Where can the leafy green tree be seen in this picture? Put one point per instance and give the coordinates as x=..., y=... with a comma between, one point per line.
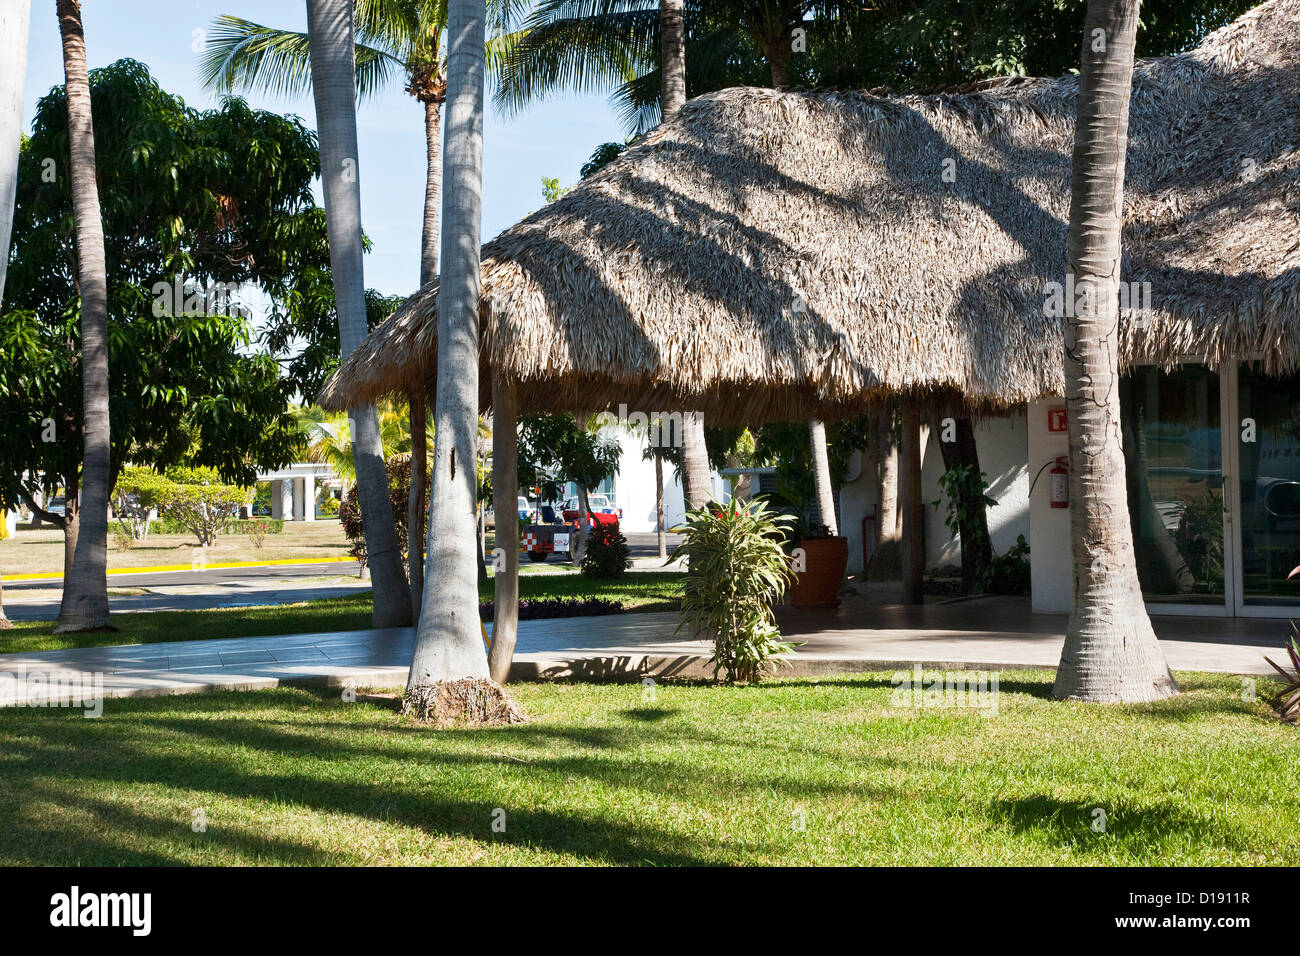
x=557, y=448
x=195, y=206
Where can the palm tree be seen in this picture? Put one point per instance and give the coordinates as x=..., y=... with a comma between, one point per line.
x=331, y=50
x=398, y=38
x=696, y=485
x=448, y=638
x=1110, y=652
x=822, y=475
x=85, y=583
x=13, y=76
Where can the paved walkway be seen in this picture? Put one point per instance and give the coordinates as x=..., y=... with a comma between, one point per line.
x=990, y=633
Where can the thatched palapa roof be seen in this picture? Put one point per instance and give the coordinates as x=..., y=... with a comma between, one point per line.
x=772, y=255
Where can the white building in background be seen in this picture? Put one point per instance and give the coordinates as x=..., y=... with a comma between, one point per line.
x=296, y=490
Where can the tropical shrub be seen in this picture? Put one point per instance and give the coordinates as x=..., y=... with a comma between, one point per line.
x=607, y=553
x=737, y=571
x=256, y=532
x=135, y=496
x=203, y=510
x=1288, y=702
x=1008, y=573
x=398, y=468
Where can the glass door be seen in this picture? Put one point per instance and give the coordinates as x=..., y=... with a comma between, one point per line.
x=1267, y=440
x=1173, y=459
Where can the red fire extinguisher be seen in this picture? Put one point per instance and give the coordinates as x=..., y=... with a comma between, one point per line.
x=1059, y=478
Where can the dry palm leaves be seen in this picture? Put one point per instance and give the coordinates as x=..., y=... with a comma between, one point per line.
x=467, y=702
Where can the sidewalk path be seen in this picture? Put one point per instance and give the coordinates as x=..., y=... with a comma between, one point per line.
x=997, y=633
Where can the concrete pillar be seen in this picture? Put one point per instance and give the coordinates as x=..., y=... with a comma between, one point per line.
x=309, y=498
x=1051, y=567
x=277, y=500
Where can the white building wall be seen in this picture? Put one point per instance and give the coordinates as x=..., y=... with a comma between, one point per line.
x=1001, y=444
x=1002, y=447
x=634, y=485
x=1049, y=528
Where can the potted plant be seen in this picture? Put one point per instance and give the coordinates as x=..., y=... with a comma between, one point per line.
x=819, y=561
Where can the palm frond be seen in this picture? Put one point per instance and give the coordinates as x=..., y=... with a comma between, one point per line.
x=581, y=46
x=243, y=56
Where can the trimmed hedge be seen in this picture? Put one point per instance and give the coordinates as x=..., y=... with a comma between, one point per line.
x=166, y=525
x=531, y=609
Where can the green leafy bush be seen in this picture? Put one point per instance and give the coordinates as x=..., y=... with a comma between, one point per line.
x=136, y=494
x=167, y=525
x=737, y=571
x=1008, y=573
x=398, y=468
x=607, y=553
x=203, y=510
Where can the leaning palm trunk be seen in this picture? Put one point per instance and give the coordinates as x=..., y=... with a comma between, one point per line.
x=85, y=584
x=1111, y=652
x=330, y=38
x=13, y=75
x=822, y=475
x=448, y=642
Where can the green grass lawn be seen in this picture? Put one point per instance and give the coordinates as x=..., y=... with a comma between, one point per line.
x=640, y=591
x=697, y=775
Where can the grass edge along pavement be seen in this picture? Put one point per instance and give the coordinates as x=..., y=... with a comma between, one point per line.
x=820, y=771
x=643, y=591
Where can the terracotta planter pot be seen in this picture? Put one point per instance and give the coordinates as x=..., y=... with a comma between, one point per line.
x=819, y=584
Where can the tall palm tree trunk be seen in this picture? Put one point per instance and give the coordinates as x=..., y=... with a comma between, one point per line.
x=415, y=516
x=672, y=94
x=13, y=77
x=822, y=475
x=330, y=40
x=505, y=502
x=1110, y=652
x=85, y=584
x=448, y=642
x=415, y=537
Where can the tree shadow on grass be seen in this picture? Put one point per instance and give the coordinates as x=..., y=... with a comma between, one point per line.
x=1070, y=824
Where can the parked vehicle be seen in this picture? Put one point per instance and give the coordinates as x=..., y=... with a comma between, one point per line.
x=603, y=511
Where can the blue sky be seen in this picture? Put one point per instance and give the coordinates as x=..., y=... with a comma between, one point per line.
x=550, y=139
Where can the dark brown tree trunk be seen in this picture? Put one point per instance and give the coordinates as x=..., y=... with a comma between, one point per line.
x=85, y=583
x=976, y=548
x=885, y=560
x=911, y=506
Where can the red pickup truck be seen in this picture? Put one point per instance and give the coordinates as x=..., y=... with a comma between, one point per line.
x=602, y=510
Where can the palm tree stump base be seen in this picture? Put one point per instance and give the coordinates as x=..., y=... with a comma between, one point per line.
x=467, y=702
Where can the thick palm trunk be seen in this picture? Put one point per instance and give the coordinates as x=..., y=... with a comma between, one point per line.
x=329, y=24
x=660, y=538
x=672, y=94
x=85, y=585
x=976, y=547
x=696, y=486
x=505, y=498
x=885, y=558
x=822, y=475
x=672, y=48
x=428, y=274
x=448, y=641
x=13, y=76
x=1110, y=652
